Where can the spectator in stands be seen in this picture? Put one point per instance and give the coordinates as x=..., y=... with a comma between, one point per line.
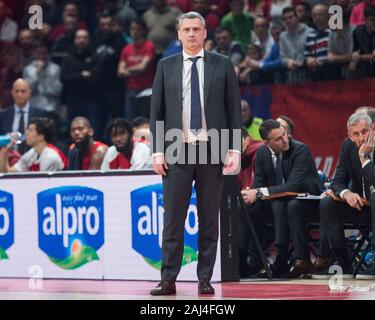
x=211, y=19
x=85, y=153
x=239, y=23
x=340, y=48
x=141, y=157
x=227, y=47
x=43, y=156
x=250, y=122
x=316, y=48
x=44, y=78
x=64, y=45
x=136, y=67
x=10, y=70
x=262, y=37
x=160, y=21
x=247, y=70
x=363, y=58
x=79, y=75
x=70, y=10
x=352, y=183
x=25, y=42
x=357, y=16
x=282, y=165
x=272, y=62
x=287, y=123
x=292, y=45
x=119, y=154
x=8, y=27
x=108, y=46
x=245, y=180
x=19, y=116
x=303, y=10
x=274, y=8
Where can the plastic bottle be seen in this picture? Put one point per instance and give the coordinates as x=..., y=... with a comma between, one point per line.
x=12, y=136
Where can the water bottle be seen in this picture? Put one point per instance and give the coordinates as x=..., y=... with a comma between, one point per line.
x=5, y=139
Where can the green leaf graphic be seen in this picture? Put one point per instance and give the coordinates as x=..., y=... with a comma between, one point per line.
x=189, y=256
x=86, y=255
x=3, y=254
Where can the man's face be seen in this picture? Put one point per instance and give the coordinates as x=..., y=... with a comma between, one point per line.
x=261, y=28
x=41, y=54
x=370, y=24
x=80, y=132
x=120, y=137
x=106, y=25
x=70, y=10
x=275, y=32
x=278, y=140
x=245, y=111
x=245, y=143
x=82, y=39
x=290, y=20
x=199, y=6
x=192, y=34
x=70, y=23
x=21, y=93
x=25, y=39
x=223, y=40
x=320, y=16
x=136, y=31
x=301, y=12
x=237, y=7
x=358, y=133
x=32, y=136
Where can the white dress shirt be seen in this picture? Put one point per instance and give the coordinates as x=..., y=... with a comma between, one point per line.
x=186, y=97
x=274, y=159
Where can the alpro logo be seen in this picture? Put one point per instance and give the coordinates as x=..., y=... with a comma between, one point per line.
x=147, y=207
x=71, y=225
x=6, y=223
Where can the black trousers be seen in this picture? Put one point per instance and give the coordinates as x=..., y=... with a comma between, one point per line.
x=177, y=188
x=334, y=213
x=290, y=219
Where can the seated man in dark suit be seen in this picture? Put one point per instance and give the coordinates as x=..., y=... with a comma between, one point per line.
x=284, y=164
x=18, y=117
x=353, y=182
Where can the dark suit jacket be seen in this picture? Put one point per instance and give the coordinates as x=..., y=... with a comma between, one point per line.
x=298, y=167
x=221, y=97
x=7, y=117
x=349, y=170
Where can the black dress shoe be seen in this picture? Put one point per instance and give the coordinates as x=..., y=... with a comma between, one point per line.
x=164, y=288
x=204, y=287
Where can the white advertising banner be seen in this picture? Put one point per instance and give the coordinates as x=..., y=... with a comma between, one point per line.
x=89, y=227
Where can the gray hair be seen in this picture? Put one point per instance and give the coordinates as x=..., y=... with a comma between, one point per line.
x=356, y=117
x=191, y=15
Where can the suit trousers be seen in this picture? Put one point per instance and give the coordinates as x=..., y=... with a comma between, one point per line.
x=334, y=213
x=177, y=189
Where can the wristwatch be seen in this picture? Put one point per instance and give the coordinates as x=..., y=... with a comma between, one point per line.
x=364, y=155
x=259, y=194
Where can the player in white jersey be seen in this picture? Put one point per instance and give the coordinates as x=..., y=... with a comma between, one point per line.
x=43, y=156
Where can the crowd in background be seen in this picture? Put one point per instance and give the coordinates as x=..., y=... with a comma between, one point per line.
x=96, y=58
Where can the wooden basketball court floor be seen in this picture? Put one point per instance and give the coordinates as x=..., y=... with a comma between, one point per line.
x=303, y=289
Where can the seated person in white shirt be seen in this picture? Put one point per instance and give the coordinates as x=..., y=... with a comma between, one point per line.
x=141, y=157
x=119, y=154
x=43, y=156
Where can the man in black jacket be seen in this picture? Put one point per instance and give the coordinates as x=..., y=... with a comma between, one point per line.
x=79, y=75
x=107, y=46
x=285, y=165
x=353, y=182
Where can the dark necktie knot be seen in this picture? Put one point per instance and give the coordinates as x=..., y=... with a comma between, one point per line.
x=195, y=59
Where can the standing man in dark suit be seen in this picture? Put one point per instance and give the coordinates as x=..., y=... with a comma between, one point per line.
x=353, y=182
x=194, y=93
x=18, y=117
x=284, y=164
